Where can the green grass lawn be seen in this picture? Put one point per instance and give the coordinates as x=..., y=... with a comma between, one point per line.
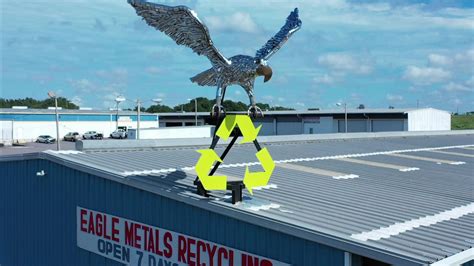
x=462, y=122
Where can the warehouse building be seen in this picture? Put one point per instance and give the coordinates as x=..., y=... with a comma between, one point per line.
x=24, y=124
x=28, y=124
x=379, y=200
x=331, y=121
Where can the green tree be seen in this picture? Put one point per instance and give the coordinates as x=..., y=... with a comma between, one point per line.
x=37, y=104
x=159, y=108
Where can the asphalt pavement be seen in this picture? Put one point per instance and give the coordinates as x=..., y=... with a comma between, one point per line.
x=36, y=147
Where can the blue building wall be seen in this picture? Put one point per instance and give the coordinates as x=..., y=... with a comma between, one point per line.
x=74, y=117
x=38, y=223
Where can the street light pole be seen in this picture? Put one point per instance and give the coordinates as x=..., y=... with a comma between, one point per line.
x=195, y=111
x=53, y=95
x=138, y=118
x=345, y=115
x=116, y=116
x=118, y=100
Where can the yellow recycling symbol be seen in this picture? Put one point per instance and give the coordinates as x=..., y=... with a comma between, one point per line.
x=209, y=156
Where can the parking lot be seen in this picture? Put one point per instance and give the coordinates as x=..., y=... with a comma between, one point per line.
x=36, y=147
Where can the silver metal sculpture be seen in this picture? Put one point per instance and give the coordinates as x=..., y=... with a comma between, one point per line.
x=185, y=28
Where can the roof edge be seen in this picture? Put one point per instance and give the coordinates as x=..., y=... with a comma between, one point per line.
x=90, y=145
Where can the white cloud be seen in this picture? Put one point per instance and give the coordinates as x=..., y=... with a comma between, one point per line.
x=437, y=59
x=113, y=74
x=239, y=21
x=82, y=85
x=268, y=98
x=376, y=7
x=465, y=57
x=470, y=82
x=345, y=62
x=394, y=97
x=108, y=100
x=455, y=87
x=426, y=75
x=153, y=70
x=161, y=95
x=455, y=101
x=324, y=79
x=77, y=100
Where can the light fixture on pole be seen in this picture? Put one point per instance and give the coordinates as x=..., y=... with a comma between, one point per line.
x=345, y=114
x=138, y=103
x=157, y=101
x=195, y=111
x=118, y=100
x=139, y=106
x=53, y=96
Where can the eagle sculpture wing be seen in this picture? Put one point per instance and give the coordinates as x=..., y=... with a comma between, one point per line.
x=183, y=26
x=293, y=23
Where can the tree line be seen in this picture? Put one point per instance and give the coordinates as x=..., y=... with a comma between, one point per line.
x=37, y=104
x=203, y=105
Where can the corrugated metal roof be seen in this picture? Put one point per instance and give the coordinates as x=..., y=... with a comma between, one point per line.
x=421, y=215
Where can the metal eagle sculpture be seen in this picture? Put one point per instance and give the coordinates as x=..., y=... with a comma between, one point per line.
x=185, y=28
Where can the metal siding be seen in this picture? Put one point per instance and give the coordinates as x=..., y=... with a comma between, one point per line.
x=74, y=117
x=267, y=127
x=353, y=126
x=428, y=119
x=383, y=125
x=289, y=126
x=40, y=227
x=322, y=124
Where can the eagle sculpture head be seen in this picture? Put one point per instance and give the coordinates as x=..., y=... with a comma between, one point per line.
x=265, y=71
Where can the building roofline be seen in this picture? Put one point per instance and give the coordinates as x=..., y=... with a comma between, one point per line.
x=269, y=113
x=90, y=145
x=428, y=108
x=71, y=111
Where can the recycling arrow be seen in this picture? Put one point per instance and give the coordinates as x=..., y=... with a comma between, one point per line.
x=259, y=179
x=249, y=132
x=204, y=164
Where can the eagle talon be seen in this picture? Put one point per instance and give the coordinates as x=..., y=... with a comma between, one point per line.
x=217, y=110
x=255, y=111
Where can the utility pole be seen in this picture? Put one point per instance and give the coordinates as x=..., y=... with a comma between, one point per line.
x=138, y=118
x=345, y=115
x=116, y=116
x=118, y=100
x=195, y=111
x=53, y=95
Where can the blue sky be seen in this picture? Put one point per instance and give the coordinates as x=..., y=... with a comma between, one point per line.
x=360, y=52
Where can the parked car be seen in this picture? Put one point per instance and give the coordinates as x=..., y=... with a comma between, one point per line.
x=119, y=134
x=92, y=135
x=72, y=136
x=45, y=139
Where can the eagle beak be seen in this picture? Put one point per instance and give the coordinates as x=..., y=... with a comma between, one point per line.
x=265, y=71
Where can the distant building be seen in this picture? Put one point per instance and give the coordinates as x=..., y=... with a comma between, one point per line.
x=27, y=124
x=331, y=121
